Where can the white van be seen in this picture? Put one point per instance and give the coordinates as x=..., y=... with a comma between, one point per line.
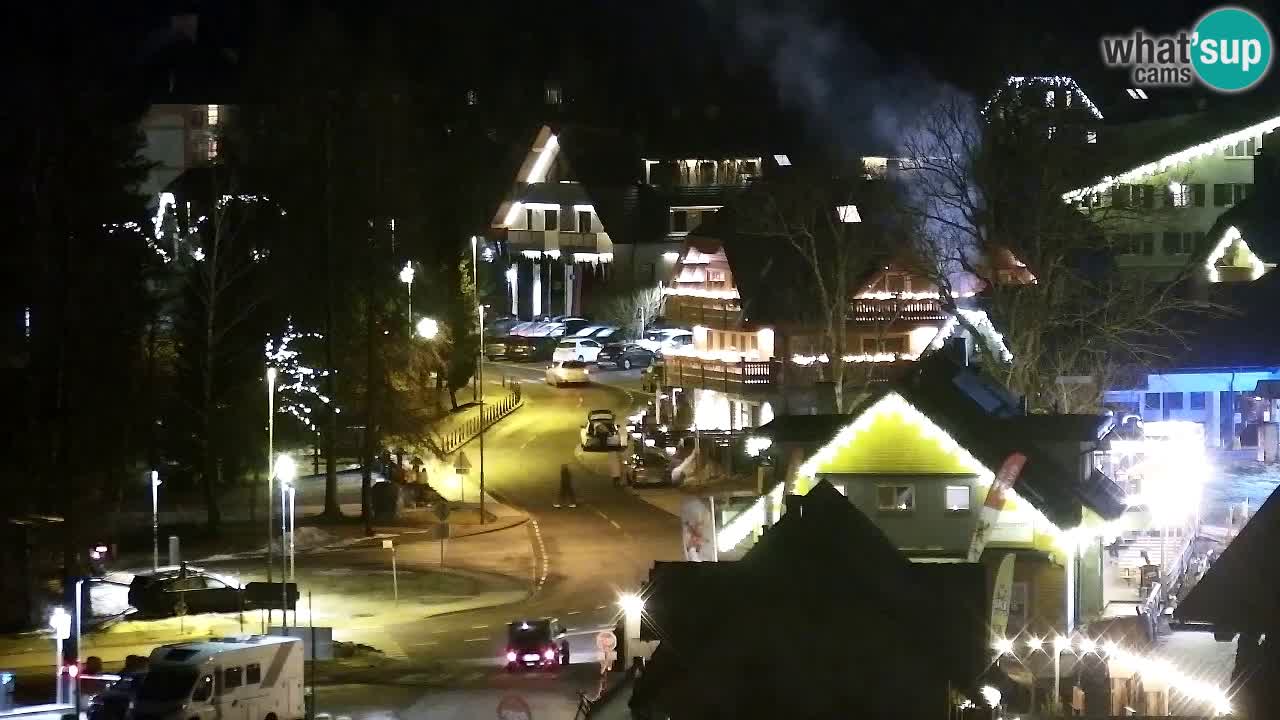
x=250, y=678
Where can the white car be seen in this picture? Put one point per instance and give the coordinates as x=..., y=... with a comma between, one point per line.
x=661, y=341
x=567, y=372
x=601, y=432
x=582, y=350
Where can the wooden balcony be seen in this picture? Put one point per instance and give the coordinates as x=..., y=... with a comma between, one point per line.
x=563, y=240
x=897, y=309
x=742, y=376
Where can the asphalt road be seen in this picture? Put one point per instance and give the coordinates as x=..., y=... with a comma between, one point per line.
x=588, y=554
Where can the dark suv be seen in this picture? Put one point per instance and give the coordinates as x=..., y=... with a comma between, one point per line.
x=536, y=644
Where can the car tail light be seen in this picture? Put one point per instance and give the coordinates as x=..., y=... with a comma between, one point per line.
x=511, y=656
x=550, y=654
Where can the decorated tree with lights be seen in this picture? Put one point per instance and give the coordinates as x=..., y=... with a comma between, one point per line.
x=984, y=195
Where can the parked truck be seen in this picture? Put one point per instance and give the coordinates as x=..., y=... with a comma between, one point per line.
x=256, y=677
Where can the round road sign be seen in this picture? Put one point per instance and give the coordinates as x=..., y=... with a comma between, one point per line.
x=606, y=641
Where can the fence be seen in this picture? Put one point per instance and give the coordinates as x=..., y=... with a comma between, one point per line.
x=490, y=413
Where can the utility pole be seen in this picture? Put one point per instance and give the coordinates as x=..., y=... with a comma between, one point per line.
x=475, y=286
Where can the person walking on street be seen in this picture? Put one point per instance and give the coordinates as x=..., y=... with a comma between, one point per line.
x=566, y=489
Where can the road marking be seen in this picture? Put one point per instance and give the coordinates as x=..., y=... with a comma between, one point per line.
x=606, y=517
x=601, y=607
x=438, y=632
x=422, y=644
x=484, y=639
x=574, y=612
x=615, y=524
x=479, y=627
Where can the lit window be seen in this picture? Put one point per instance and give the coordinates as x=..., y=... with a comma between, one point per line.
x=782, y=160
x=957, y=498
x=1052, y=131
x=553, y=95
x=213, y=149
x=848, y=213
x=896, y=498
x=1091, y=137
x=214, y=114
x=1048, y=98
x=1179, y=195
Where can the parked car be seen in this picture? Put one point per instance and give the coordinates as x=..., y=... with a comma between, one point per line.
x=537, y=643
x=603, y=333
x=575, y=349
x=624, y=355
x=647, y=469
x=497, y=348
x=160, y=594
x=530, y=348
x=601, y=431
x=567, y=372
x=663, y=341
x=501, y=325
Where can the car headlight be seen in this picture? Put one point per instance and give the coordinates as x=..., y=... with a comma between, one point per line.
x=550, y=654
x=511, y=656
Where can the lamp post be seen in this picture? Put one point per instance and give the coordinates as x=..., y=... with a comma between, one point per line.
x=271, y=471
x=60, y=622
x=406, y=277
x=475, y=283
x=75, y=669
x=155, y=521
x=286, y=471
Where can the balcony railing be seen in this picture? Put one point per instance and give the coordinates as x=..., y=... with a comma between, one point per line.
x=562, y=240
x=867, y=310
x=720, y=375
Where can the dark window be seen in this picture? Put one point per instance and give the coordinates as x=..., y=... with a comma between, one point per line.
x=1122, y=195
x=1243, y=191
x=253, y=674
x=1221, y=195
x=896, y=498
x=896, y=283
x=231, y=678
x=528, y=218
x=1172, y=243
x=1197, y=400
x=894, y=344
x=584, y=221
x=1152, y=401
x=551, y=219
x=679, y=221
x=1197, y=194
x=1173, y=401
x=1123, y=243
x=1148, y=242
x=204, y=689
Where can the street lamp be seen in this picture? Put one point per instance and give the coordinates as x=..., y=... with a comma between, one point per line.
x=60, y=622
x=271, y=471
x=428, y=328
x=479, y=397
x=286, y=471
x=406, y=277
x=155, y=521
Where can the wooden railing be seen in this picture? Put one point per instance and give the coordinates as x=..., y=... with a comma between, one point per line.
x=866, y=309
x=718, y=374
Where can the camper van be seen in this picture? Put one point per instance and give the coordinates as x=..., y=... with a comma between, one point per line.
x=250, y=678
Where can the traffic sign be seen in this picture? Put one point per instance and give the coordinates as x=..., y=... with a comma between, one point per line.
x=462, y=465
x=514, y=707
x=606, y=641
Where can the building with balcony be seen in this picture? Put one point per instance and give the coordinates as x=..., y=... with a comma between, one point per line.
x=758, y=341
x=593, y=212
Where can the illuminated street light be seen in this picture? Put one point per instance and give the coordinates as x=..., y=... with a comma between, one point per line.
x=631, y=603
x=60, y=623
x=1062, y=644
x=285, y=471
x=271, y=473
x=406, y=277
x=1088, y=645
x=428, y=328
x=990, y=695
x=155, y=520
x=1003, y=646
x=1035, y=644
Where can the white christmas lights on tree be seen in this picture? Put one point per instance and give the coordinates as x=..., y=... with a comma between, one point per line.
x=296, y=382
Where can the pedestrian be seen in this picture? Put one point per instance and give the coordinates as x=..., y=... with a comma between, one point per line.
x=566, y=489
x=615, y=468
x=182, y=570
